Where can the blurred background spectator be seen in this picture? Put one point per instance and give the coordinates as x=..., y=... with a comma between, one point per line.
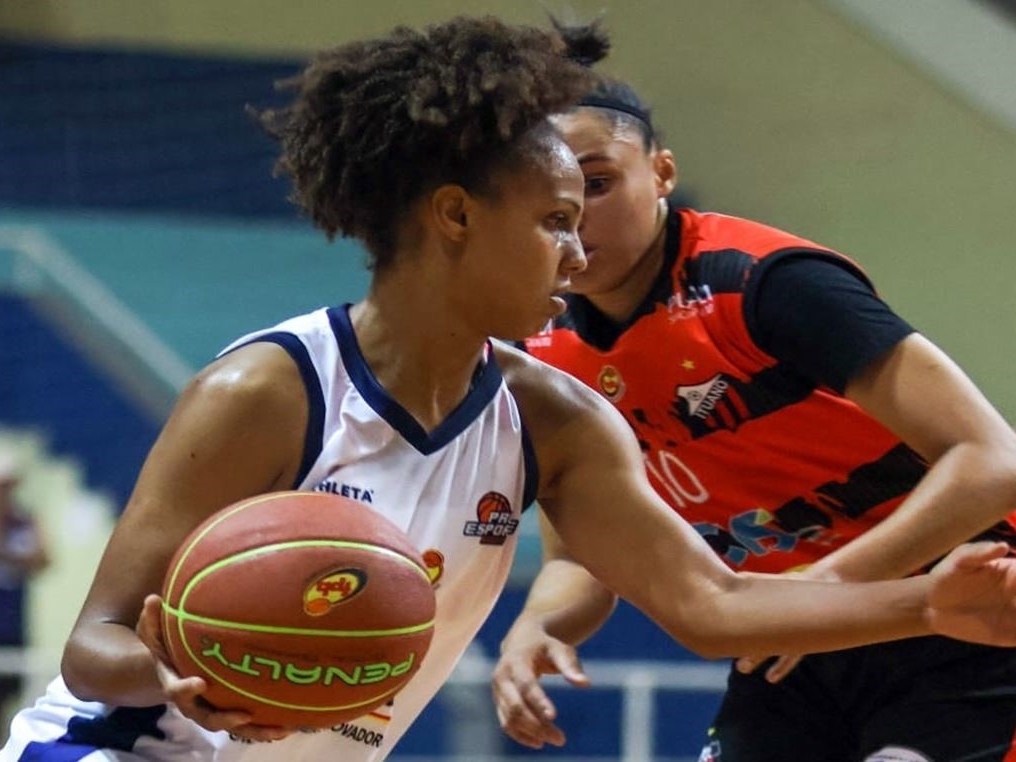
x=23, y=553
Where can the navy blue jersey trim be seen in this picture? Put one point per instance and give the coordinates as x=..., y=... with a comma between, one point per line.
x=120, y=730
x=485, y=386
x=313, y=438
x=532, y=481
x=55, y=751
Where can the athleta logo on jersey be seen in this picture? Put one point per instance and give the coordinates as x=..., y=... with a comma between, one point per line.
x=495, y=524
x=363, y=494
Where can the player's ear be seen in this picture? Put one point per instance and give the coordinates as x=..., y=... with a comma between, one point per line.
x=666, y=171
x=449, y=211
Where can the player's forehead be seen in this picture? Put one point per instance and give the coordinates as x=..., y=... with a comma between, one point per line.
x=546, y=147
x=556, y=159
x=544, y=164
x=590, y=134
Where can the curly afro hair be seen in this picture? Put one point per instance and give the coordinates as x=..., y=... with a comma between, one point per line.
x=375, y=124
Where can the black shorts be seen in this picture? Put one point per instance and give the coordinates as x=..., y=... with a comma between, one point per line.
x=914, y=700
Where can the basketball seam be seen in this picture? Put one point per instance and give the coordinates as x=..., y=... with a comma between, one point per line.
x=184, y=616
x=225, y=515
x=292, y=544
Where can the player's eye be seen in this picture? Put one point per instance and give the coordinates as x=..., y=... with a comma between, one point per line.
x=597, y=185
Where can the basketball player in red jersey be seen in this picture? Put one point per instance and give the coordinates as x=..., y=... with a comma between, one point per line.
x=800, y=425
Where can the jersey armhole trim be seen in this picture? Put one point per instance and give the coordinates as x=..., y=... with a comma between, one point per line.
x=313, y=438
x=532, y=470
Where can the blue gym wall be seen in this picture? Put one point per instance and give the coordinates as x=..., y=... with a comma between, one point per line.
x=47, y=385
x=105, y=129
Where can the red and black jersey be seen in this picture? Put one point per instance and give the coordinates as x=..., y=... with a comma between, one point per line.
x=774, y=469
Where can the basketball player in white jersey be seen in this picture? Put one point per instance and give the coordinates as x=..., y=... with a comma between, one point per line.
x=434, y=149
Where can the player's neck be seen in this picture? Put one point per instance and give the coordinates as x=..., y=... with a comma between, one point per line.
x=424, y=364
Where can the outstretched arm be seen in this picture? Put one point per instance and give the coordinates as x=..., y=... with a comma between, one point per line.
x=823, y=319
x=610, y=519
x=924, y=398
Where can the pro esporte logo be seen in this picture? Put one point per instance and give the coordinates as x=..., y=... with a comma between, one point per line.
x=495, y=523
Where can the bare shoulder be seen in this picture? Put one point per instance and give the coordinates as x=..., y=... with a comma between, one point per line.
x=559, y=411
x=255, y=373
x=549, y=398
x=245, y=412
x=237, y=430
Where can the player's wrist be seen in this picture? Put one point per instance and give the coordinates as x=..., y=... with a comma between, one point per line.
x=822, y=571
x=526, y=630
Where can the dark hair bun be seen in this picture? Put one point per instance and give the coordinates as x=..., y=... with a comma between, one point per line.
x=585, y=44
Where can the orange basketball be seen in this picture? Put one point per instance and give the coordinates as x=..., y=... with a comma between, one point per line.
x=305, y=609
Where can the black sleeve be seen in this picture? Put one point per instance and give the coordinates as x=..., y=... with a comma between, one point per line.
x=820, y=316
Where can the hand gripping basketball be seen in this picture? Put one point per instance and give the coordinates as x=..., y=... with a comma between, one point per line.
x=305, y=609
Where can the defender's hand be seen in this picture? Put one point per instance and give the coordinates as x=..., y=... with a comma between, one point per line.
x=524, y=710
x=973, y=594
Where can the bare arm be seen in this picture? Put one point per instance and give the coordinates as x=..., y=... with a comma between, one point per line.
x=565, y=601
x=644, y=552
x=236, y=431
x=611, y=520
x=925, y=399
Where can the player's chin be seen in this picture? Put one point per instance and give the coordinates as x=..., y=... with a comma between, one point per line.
x=589, y=281
x=524, y=328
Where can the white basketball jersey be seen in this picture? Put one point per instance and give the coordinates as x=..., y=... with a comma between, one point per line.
x=457, y=492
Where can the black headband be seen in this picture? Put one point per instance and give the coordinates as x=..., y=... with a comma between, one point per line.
x=612, y=103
